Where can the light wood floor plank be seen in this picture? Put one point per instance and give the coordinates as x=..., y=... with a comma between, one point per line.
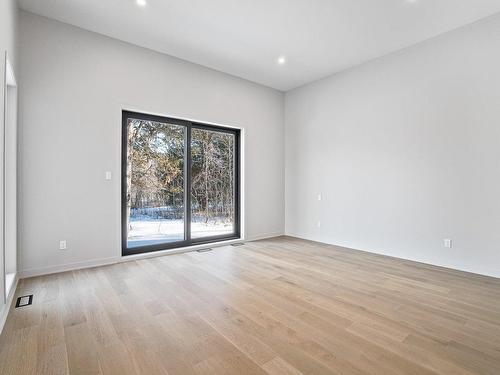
x=278, y=306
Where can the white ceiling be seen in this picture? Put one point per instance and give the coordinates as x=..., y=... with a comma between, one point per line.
x=245, y=37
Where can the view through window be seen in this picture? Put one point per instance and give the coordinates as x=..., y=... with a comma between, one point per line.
x=163, y=160
x=212, y=184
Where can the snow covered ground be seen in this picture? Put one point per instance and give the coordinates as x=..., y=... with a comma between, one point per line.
x=149, y=232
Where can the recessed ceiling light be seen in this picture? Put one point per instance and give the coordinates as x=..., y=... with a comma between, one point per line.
x=281, y=60
x=141, y=3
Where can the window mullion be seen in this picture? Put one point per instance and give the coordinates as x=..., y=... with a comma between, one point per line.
x=187, y=185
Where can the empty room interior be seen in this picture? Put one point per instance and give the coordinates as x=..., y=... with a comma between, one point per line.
x=297, y=187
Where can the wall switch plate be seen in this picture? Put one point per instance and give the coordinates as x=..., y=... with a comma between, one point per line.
x=448, y=243
x=320, y=197
x=108, y=175
x=63, y=245
x=319, y=224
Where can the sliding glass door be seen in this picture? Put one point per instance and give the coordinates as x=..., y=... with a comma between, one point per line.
x=179, y=183
x=155, y=182
x=212, y=183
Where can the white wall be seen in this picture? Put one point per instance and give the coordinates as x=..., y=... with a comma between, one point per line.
x=406, y=152
x=8, y=43
x=74, y=85
x=405, y=149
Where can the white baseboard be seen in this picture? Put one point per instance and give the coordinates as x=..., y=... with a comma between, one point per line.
x=195, y=247
x=4, y=312
x=482, y=271
x=32, y=272
x=265, y=236
x=179, y=250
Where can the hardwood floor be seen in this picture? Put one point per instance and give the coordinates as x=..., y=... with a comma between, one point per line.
x=279, y=306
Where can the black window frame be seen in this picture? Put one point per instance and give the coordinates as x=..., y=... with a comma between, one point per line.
x=188, y=241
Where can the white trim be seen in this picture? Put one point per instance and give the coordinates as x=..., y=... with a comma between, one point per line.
x=482, y=271
x=10, y=280
x=10, y=84
x=131, y=108
x=32, y=272
x=4, y=312
x=154, y=254
x=243, y=221
x=172, y=115
x=10, y=78
x=266, y=236
x=186, y=249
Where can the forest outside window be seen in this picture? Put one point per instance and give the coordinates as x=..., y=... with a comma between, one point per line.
x=180, y=183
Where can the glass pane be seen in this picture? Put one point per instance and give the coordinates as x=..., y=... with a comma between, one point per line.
x=155, y=183
x=212, y=184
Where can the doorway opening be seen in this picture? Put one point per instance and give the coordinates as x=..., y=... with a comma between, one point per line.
x=8, y=184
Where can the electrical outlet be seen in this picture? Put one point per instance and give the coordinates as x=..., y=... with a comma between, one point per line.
x=108, y=175
x=63, y=245
x=448, y=243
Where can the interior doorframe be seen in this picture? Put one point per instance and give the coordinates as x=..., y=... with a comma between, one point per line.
x=188, y=241
x=10, y=105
